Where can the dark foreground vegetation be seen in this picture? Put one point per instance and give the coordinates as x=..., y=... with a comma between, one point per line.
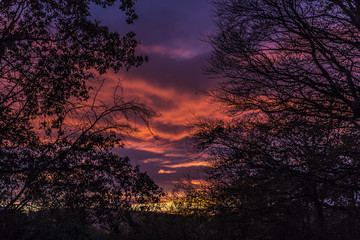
x=64, y=225
x=285, y=166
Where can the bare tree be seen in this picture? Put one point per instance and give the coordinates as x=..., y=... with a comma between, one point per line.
x=294, y=56
x=287, y=164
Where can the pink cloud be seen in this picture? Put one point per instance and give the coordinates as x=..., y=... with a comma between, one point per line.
x=177, y=52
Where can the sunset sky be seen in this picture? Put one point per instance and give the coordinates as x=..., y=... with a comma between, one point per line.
x=170, y=33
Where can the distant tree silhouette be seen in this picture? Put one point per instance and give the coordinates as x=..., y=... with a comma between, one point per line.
x=287, y=164
x=56, y=134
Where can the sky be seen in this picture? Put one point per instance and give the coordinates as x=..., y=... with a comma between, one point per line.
x=171, y=33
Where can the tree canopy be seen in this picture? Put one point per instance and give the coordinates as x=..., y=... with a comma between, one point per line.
x=56, y=135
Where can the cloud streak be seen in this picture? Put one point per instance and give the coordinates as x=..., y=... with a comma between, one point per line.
x=189, y=164
x=162, y=171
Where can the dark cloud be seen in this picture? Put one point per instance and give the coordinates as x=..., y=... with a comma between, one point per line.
x=137, y=155
x=171, y=128
x=160, y=21
x=183, y=75
x=161, y=103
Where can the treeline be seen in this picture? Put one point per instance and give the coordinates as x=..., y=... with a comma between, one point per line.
x=63, y=225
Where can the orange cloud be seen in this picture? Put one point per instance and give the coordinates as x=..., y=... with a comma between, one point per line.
x=166, y=144
x=189, y=164
x=157, y=160
x=177, y=109
x=162, y=171
x=198, y=182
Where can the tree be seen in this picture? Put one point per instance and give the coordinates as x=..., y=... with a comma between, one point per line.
x=287, y=164
x=293, y=56
x=56, y=135
x=277, y=178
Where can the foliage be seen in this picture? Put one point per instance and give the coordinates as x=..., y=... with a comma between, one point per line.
x=56, y=134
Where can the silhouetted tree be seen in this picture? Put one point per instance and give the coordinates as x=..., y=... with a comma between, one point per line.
x=295, y=56
x=275, y=178
x=56, y=134
x=287, y=164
